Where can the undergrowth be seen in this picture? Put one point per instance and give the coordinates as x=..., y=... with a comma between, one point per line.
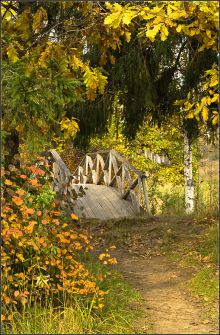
x=78, y=317
x=51, y=281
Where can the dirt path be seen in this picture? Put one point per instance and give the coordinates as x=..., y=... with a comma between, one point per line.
x=161, y=286
x=166, y=303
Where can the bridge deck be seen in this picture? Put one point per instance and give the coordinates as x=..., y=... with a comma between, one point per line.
x=102, y=202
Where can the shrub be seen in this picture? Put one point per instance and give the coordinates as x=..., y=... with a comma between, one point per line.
x=41, y=244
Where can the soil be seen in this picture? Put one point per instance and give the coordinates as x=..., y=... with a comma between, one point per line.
x=167, y=305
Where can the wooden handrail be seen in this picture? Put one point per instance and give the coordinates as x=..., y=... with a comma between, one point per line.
x=114, y=171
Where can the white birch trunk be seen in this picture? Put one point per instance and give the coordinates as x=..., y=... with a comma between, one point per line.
x=188, y=175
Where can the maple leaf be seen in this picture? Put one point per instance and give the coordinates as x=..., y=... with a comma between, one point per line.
x=18, y=201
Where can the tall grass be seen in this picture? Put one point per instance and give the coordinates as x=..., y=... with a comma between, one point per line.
x=76, y=316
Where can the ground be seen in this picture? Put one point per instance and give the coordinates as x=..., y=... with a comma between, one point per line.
x=167, y=305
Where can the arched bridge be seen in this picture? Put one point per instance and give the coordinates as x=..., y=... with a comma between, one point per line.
x=108, y=186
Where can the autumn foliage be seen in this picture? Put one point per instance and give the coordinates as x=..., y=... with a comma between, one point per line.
x=42, y=246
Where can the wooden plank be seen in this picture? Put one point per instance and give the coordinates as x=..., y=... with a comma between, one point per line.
x=134, y=202
x=102, y=202
x=86, y=209
x=125, y=195
x=125, y=162
x=120, y=205
x=144, y=185
x=114, y=164
x=109, y=169
x=114, y=178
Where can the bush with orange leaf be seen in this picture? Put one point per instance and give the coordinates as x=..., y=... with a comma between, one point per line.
x=41, y=245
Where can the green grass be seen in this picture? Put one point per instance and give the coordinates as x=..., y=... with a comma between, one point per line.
x=205, y=284
x=117, y=317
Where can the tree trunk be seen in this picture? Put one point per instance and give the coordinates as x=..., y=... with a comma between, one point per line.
x=188, y=175
x=11, y=148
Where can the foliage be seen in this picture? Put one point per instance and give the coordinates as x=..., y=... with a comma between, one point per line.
x=41, y=244
x=189, y=28
x=69, y=129
x=199, y=105
x=43, y=71
x=66, y=69
x=196, y=19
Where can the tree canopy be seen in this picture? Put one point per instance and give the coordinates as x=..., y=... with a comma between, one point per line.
x=76, y=59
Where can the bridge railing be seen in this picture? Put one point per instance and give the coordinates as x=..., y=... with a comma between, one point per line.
x=111, y=169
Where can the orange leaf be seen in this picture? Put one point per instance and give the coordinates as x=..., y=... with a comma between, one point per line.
x=22, y=176
x=29, y=210
x=9, y=317
x=18, y=201
x=44, y=221
x=16, y=294
x=34, y=182
x=2, y=317
x=20, y=192
x=7, y=300
x=56, y=222
x=74, y=216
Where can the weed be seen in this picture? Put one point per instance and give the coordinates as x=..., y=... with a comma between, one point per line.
x=77, y=317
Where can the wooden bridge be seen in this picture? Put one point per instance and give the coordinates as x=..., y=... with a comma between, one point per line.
x=107, y=185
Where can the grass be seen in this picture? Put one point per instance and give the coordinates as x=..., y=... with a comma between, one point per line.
x=205, y=284
x=76, y=317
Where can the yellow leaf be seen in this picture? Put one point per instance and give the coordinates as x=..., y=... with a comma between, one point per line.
x=179, y=28
x=127, y=36
x=213, y=83
x=38, y=18
x=215, y=119
x=156, y=10
x=8, y=182
x=151, y=33
x=163, y=33
x=205, y=113
x=128, y=16
x=190, y=115
x=179, y=102
x=114, y=20
x=12, y=54
x=215, y=98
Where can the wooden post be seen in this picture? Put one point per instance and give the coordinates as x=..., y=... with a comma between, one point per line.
x=122, y=179
x=110, y=168
x=143, y=180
